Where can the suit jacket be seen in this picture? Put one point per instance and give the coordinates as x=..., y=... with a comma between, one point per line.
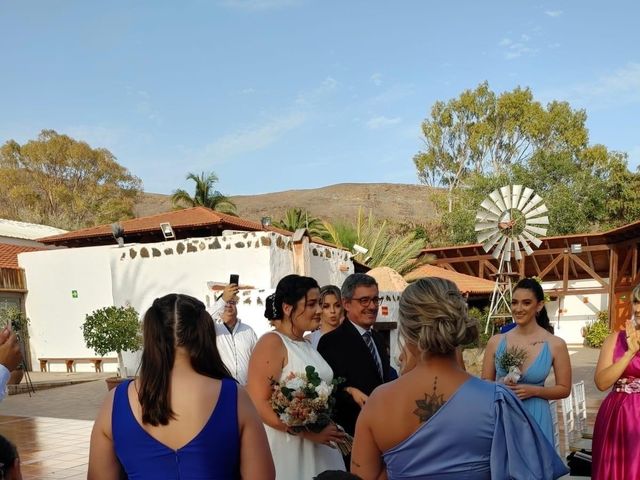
x=346, y=352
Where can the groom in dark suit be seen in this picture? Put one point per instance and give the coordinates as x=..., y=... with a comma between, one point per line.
x=355, y=351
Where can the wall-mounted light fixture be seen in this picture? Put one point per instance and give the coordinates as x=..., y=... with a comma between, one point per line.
x=576, y=248
x=167, y=231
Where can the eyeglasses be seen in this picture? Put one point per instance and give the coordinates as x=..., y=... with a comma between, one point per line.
x=366, y=301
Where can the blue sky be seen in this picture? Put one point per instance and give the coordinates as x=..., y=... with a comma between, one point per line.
x=289, y=94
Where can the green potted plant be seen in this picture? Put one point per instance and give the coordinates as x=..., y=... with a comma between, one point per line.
x=19, y=324
x=113, y=329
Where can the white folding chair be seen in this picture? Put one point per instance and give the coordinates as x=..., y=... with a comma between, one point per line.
x=573, y=440
x=580, y=405
x=553, y=406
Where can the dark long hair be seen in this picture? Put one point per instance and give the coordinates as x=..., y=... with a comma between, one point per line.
x=290, y=290
x=174, y=321
x=8, y=455
x=542, y=318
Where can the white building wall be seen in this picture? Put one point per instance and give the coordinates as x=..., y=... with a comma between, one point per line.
x=55, y=315
x=577, y=310
x=137, y=274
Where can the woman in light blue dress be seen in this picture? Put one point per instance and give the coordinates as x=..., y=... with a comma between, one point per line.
x=438, y=422
x=533, y=334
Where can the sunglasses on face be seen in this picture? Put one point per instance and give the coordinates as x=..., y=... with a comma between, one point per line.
x=366, y=301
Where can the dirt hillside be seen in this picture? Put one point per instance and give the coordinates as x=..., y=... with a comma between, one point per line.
x=397, y=202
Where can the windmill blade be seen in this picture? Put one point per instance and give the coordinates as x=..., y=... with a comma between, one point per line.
x=537, y=211
x=490, y=241
x=507, y=250
x=538, y=230
x=538, y=221
x=483, y=216
x=532, y=203
x=516, y=251
x=525, y=246
x=526, y=195
x=495, y=196
x=516, y=191
x=498, y=250
x=532, y=238
x=489, y=205
x=506, y=196
x=484, y=225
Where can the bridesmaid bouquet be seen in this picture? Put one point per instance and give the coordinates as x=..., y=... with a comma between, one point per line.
x=303, y=401
x=511, y=361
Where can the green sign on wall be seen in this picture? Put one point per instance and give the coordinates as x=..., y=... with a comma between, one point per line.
x=74, y=294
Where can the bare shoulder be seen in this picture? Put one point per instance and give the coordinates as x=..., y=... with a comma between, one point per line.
x=270, y=341
x=495, y=340
x=556, y=343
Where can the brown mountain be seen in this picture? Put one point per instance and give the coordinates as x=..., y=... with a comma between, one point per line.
x=397, y=202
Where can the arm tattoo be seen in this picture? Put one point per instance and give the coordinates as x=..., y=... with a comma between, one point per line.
x=430, y=405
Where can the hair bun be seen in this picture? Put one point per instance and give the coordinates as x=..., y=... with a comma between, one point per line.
x=270, y=308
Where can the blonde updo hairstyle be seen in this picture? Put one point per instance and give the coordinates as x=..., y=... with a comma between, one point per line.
x=433, y=317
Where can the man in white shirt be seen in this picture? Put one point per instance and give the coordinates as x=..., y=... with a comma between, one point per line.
x=235, y=340
x=10, y=358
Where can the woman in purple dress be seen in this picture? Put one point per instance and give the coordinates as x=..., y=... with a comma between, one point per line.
x=617, y=431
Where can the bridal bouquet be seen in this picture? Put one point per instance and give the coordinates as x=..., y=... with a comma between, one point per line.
x=511, y=361
x=303, y=401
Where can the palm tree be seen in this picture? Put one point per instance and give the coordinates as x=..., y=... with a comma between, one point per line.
x=205, y=195
x=395, y=251
x=296, y=218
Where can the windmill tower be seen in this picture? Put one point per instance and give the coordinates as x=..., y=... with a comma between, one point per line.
x=506, y=223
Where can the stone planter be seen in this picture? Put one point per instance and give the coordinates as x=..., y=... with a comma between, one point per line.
x=113, y=382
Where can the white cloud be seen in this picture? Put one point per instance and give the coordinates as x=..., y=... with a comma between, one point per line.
x=517, y=49
x=376, y=78
x=381, y=121
x=248, y=91
x=619, y=87
x=253, y=138
x=259, y=5
x=328, y=86
x=553, y=13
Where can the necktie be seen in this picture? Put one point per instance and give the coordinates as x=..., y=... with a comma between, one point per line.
x=372, y=349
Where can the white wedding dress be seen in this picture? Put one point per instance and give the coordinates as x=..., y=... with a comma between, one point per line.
x=294, y=457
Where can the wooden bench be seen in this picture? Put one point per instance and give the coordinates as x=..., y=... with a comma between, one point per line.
x=70, y=363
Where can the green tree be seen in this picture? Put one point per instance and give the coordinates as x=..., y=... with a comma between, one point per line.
x=483, y=133
x=63, y=182
x=205, y=195
x=295, y=218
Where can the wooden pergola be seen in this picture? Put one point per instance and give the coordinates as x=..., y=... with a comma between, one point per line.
x=609, y=258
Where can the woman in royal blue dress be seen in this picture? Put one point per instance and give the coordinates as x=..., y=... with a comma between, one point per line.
x=184, y=417
x=533, y=333
x=437, y=421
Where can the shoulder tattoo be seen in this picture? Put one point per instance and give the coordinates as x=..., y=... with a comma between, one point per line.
x=428, y=406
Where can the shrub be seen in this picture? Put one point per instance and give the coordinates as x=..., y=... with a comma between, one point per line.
x=480, y=316
x=113, y=329
x=597, y=331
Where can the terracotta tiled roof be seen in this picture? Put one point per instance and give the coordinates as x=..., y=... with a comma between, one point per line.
x=388, y=279
x=9, y=254
x=188, y=217
x=465, y=283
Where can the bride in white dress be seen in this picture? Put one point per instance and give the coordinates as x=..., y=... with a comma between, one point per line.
x=304, y=455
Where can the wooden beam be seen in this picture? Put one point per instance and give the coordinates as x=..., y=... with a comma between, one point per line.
x=522, y=265
x=625, y=263
x=555, y=267
x=551, y=265
x=578, y=291
x=491, y=266
x=573, y=267
x=536, y=253
x=535, y=265
x=589, y=256
x=565, y=273
x=634, y=264
x=588, y=269
x=481, y=269
x=613, y=279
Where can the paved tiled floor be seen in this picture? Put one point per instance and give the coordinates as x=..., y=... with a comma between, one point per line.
x=55, y=448
x=49, y=448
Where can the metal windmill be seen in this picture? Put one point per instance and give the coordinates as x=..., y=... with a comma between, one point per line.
x=506, y=223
